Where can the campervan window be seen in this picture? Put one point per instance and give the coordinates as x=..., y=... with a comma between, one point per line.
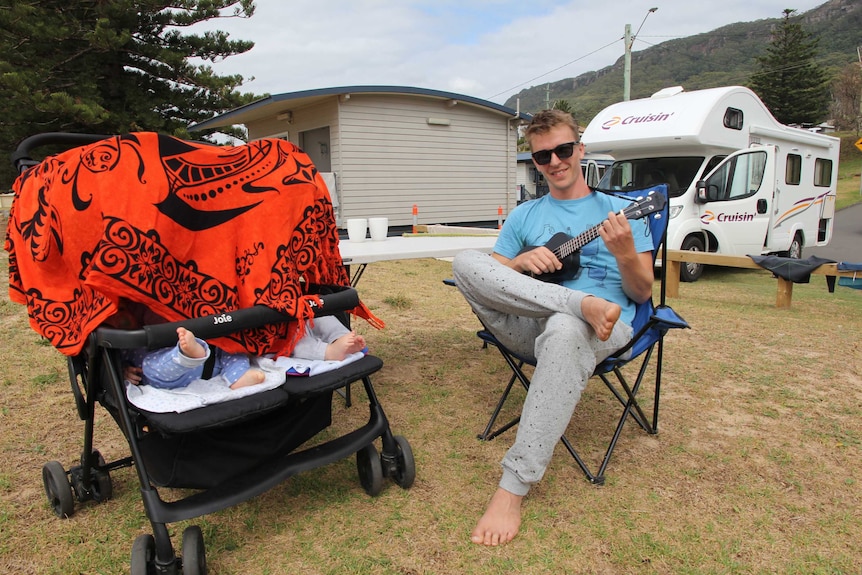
x=738, y=178
x=822, y=172
x=733, y=119
x=711, y=164
x=677, y=172
x=793, y=171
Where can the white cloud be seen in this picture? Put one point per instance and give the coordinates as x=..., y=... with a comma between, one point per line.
x=483, y=48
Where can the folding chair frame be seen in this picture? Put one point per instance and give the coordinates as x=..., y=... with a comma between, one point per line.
x=659, y=321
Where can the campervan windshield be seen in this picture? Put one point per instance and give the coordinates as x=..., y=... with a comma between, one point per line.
x=677, y=172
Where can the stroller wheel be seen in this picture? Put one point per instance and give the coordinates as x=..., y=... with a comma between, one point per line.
x=143, y=554
x=194, y=553
x=102, y=487
x=58, y=489
x=405, y=472
x=370, y=469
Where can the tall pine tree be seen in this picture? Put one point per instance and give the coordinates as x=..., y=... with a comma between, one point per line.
x=112, y=66
x=788, y=80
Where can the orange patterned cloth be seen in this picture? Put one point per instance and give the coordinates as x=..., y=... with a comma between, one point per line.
x=187, y=229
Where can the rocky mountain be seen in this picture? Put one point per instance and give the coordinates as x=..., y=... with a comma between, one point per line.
x=724, y=56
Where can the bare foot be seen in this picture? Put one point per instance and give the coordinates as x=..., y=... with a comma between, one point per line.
x=189, y=345
x=251, y=377
x=601, y=314
x=501, y=520
x=344, y=346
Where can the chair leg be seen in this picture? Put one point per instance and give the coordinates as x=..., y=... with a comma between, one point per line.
x=625, y=394
x=598, y=478
x=487, y=435
x=517, y=374
x=595, y=479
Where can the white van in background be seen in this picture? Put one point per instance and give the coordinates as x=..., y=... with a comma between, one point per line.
x=740, y=183
x=531, y=183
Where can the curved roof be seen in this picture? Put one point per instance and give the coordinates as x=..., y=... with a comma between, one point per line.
x=270, y=105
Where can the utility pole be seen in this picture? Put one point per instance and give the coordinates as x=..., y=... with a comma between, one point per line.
x=627, y=62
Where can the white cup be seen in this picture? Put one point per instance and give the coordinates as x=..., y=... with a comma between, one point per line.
x=379, y=228
x=356, y=229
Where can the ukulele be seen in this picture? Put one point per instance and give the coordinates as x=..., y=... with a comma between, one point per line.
x=567, y=248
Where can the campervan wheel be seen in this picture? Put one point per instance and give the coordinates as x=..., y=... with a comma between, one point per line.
x=691, y=271
x=795, y=250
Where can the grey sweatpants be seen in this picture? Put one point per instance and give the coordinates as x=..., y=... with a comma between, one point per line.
x=542, y=320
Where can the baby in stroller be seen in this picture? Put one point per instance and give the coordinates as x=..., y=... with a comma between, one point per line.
x=135, y=217
x=173, y=367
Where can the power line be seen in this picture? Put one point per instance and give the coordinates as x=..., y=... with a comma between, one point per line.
x=638, y=38
x=707, y=34
x=552, y=71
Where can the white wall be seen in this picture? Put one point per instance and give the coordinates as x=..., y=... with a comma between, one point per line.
x=388, y=157
x=393, y=158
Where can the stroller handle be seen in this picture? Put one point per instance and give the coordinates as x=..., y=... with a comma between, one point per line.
x=21, y=157
x=213, y=326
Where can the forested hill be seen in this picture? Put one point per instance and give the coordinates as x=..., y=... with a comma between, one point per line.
x=722, y=57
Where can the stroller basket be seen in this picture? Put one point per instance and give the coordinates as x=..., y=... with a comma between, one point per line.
x=231, y=451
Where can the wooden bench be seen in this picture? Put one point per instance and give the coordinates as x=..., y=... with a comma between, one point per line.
x=785, y=287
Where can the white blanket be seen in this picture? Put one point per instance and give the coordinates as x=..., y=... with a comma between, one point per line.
x=202, y=392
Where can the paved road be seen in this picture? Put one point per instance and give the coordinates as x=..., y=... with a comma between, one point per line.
x=846, y=243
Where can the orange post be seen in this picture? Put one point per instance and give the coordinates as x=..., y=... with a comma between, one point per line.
x=415, y=217
x=499, y=217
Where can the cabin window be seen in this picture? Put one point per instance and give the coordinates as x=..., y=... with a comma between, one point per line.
x=738, y=178
x=733, y=119
x=711, y=164
x=822, y=172
x=793, y=170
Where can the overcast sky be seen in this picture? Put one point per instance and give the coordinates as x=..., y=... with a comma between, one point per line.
x=488, y=49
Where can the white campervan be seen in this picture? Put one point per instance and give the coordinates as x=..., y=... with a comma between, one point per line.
x=740, y=182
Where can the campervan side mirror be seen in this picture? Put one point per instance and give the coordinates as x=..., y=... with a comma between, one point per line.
x=701, y=197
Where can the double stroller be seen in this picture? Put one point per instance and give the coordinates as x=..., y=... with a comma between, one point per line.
x=237, y=244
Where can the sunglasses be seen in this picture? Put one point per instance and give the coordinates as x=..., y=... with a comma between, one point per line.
x=562, y=151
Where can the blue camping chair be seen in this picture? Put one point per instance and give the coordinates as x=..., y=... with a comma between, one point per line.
x=650, y=325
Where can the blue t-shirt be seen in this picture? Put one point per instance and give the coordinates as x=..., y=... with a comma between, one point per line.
x=533, y=223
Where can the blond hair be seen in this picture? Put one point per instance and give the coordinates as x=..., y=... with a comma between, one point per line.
x=544, y=121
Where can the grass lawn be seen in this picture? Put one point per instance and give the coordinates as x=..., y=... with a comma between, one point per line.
x=756, y=467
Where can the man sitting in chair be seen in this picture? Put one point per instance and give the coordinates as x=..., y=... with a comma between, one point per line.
x=569, y=325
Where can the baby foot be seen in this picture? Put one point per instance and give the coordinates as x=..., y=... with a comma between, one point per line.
x=189, y=345
x=251, y=377
x=344, y=346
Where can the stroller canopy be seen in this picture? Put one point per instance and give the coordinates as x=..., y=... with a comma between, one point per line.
x=187, y=229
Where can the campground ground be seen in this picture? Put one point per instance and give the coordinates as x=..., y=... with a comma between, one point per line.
x=756, y=467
